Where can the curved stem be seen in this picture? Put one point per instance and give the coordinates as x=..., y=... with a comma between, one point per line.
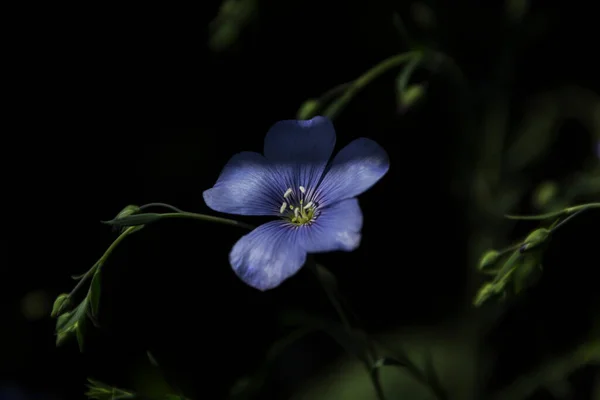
x=334, y=92
x=564, y=221
x=207, y=218
x=334, y=109
x=103, y=259
x=569, y=210
x=163, y=205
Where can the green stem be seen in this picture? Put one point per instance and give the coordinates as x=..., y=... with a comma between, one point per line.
x=207, y=218
x=334, y=109
x=334, y=92
x=102, y=259
x=130, y=229
x=369, y=362
x=566, y=211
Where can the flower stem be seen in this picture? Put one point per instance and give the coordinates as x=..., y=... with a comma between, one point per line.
x=207, y=218
x=102, y=259
x=361, y=82
x=371, y=356
x=566, y=211
x=163, y=205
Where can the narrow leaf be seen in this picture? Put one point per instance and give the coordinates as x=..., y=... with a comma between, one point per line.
x=78, y=277
x=80, y=333
x=94, y=293
x=101, y=391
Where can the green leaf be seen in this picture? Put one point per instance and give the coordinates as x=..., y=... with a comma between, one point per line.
x=134, y=220
x=487, y=292
x=94, y=293
x=80, y=327
x=61, y=303
x=101, y=391
x=62, y=337
x=78, y=277
x=506, y=271
x=124, y=213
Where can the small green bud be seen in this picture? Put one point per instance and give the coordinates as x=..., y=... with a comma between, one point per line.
x=60, y=304
x=489, y=259
x=127, y=211
x=64, y=331
x=545, y=194
x=308, y=109
x=535, y=239
x=410, y=96
x=62, y=321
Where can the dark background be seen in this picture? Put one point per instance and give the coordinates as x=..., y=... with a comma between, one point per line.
x=100, y=86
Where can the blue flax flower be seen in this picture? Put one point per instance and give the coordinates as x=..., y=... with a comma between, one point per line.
x=315, y=202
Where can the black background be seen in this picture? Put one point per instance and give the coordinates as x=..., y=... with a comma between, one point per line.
x=96, y=89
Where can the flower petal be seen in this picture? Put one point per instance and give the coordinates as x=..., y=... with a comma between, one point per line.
x=268, y=255
x=247, y=186
x=356, y=168
x=300, y=149
x=336, y=228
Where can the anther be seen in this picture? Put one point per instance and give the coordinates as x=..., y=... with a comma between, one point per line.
x=296, y=212
x=287, y=193
x=282, y=208
x=307, y=205
x=302, y=189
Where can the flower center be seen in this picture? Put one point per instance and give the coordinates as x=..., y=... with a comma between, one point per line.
x=296, y=208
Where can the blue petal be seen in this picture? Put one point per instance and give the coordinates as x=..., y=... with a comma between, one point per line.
x=356, y=168
x=247, y=186
x=268, y=255
x=300, y=149
x=337, y=227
